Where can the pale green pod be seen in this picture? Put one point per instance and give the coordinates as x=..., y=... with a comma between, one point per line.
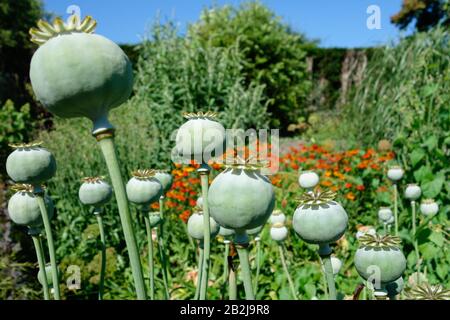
x=165, y=179
x=195, y=226
x=429, y=207
x=279, y=232
x=413, y=192
x=255, y=231
x=48, y=273
x=241, y=199
x=23, y=209
x=200, y=138
x=277, y=217
x=31, y=164
x=308, y=179
x=385, y=214
x=395, y=173
x=95, y=192
x=320, y=224
x=388, y=263
x=144, y=191
x=155, y=219
x=224, y=232
x=81, y=75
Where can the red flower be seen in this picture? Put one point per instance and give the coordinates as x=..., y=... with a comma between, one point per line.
x=360, y=187
x=348, y=185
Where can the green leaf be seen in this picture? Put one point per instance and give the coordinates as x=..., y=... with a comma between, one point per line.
x=437, y=238
x=431, y=143
x=442, y=270
x=423, y=174
x=310, y=290
x=433, y=188
x=416, y=156
x=428, y=250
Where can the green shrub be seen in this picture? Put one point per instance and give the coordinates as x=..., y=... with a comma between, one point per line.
x=273, y=54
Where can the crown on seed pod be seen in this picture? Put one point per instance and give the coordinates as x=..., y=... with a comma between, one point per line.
x=143, y=174
x=29, y=145
x=426, y=291
x=22, y=187
x=377, y=241
x=249, y=163
x=47, y=31
x=93, y=179
x=210, y=115
x=316, y=199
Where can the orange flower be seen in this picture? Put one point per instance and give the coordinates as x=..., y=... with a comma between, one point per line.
x=327, y=183
x=347, y=169
x=350, y=196
x=360, y=188
x=348, y=185
x=328, y=174
x=185, y=215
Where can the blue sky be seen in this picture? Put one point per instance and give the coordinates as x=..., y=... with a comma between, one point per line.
x=335, y=23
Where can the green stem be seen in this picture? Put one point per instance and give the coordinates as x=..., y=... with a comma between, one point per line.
x=41, y=261
x=106, y=142
x=103, y=265
x=325, y=254
x=151, y=265
x=385, y=229
x=286, y=271
x=162, y=250
x=416, y=246
x=232, y=285
x=225, y=266
x=242, y=249
x=258, y=264
x=204, y=174
x=395, y=210
x=199, y=270
x=50, y=243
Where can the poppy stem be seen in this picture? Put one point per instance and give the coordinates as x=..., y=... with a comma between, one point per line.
x=258, y=263
x=151, y=265
x=204, y=175
x=162, y=250
x=105, y=140
x=51, y=246
x=286, y=271
x=97, y=213
x=325, y=255
x=41, y=261
x=242, y=249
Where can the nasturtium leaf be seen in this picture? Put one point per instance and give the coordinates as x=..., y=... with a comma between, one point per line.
x=416, y=156
x=433, y=188
x=437, y=238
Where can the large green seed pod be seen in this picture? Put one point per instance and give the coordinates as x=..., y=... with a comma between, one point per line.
x=241, y=198
x=319, y=219
x=165, y=178
x=30, y=164
x=48, y=274
x=200, y=138
x=380, y=257
x=23, y=207
x=95, y=192
x=144, y=188
x=195, y=226
x=75, y=73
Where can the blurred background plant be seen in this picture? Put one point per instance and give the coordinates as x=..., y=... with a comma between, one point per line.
x=348, y=113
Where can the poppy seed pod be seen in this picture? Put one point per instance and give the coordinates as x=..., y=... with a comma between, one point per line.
x=277, y=217
x=144, y=188
x=319, y=219
x=48, y=274
x=195, y=226
x=385, y=214
x=155, y=219
x=308, y=179
x=75, y=73
x=241, y=198
x=201, y=137
x=412, y=192
x=224, y=232
x=395, y=173
x=23, y=207
x=429, y=207
x=255, y=231
x=94, y=192
x=278, y=232
x=200, y=203
x=336, y=265
x=380, y=255
x=165, y=178
x=362, y=231
x=30, y=164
